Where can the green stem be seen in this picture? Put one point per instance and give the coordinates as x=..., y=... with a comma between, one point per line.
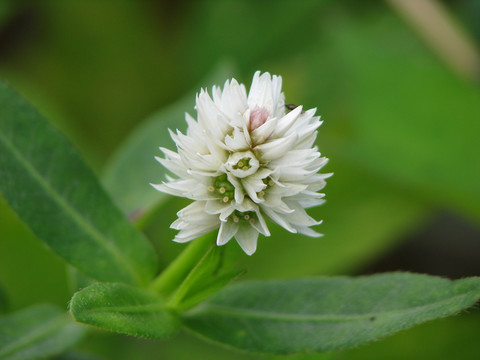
x=208, y=259
x=176, y=272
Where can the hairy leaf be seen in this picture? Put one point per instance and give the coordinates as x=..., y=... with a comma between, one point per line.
x=323, y=314
x=124, y=309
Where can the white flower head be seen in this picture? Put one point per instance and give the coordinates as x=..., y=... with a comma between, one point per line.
x=245, y=158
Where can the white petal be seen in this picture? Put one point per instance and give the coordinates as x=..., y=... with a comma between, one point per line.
x=276, y=203
x=175, y=166
x=307, y=231
x=177, y=187
x=215, y=206
x=169, y=153
x=194, y=232
x=256, y=184
x=261, y=174
x=218, y=207
x=194, y=222
x=227, y=231
x=260, y=225
x=287, y=121
x=233, y=98
x=210, y=116
x=279, y=219
x=300, y=216
x=274, y=149
x=258, y=90
x=251, y=192
x=246, y=237
x=246, y=205
x=265, y=92
x=226, y=213
x=294, y=174
x=278, y=96
x=238, y=142
x=297, y=157
x=239, y=194
x=197, y=207
x=309, y=203
x=286, y=189
x=263, y=132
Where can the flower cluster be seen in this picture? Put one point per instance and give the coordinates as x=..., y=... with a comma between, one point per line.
x=246, y=157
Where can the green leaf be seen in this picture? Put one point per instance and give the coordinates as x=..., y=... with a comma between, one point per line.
x=3, y=300
x=134, y=163
x=124, y=309
x=283, y=27
x=37, y=332
x=77, y=356
x=323, y=314
x=76, y=280
x=412, y=119
x=46, y=284
x=45, y=181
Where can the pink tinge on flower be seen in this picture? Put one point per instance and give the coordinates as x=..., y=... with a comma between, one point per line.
x=258, y=116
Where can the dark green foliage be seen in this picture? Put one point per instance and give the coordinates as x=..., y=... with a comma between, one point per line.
x=323, y=314
x=53, y=191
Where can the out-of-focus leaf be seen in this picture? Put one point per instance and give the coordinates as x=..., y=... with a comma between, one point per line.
x=124, y=309
x=412, y=121
x=45, y=181
x=133, y=167
x=3, y=300
x=76, y=280
x=317, y=356
x=263, y=32
x=77, y=356
x=19, y=249
x=99, y=74
x=37, y=332
x=324, y=314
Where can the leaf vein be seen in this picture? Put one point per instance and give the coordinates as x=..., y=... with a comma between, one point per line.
x=270, y=315
x=77, y=218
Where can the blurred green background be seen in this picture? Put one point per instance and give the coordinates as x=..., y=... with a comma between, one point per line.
x=402, y=130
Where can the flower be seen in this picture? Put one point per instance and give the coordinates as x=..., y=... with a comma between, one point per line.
x=245, y=158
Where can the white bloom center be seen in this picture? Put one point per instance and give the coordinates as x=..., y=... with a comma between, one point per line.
x=242, y=164
x=245, y=159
